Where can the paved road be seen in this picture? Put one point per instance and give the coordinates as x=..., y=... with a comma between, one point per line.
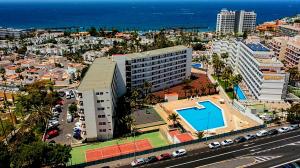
x=282, y=147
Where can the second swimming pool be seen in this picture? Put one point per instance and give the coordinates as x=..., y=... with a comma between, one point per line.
x=208, y=117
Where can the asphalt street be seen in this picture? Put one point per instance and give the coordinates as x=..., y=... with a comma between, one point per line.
x=280, y=148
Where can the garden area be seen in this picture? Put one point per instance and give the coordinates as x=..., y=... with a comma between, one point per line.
x=294, y=90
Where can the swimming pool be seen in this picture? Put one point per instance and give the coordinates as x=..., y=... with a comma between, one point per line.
x=210, y=116
x=240, y=93
x=197, y=65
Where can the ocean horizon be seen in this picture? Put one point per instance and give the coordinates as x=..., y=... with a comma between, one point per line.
x=135, y=15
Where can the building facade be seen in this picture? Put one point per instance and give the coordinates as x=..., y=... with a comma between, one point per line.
x=162, y=68
x=109, y=78
x=98, y=95
x=290, y=30
x=262, y=72
x=235, y=21
x=9, y=32
x=287, y=49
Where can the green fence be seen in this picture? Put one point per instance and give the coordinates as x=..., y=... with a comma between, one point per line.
x=166, y=147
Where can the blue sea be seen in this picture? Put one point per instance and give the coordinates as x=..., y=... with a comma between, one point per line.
x=139, y=15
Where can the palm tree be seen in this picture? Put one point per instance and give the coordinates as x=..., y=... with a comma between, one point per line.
x=216, y=86
x=209, y=86
x=199, y=134
x=226, y=75
x=203, y=89
x=147, y=87
x=129, y=122
x=196, y=91
x=174, y=117
x=235, y=81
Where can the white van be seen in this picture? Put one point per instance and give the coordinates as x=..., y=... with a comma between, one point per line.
x=69, y=118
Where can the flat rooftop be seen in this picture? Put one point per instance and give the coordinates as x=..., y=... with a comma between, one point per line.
x=257, y=47
x=155, y=52
x=99, y=75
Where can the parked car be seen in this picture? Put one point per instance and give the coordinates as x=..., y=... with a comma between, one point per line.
x=227, y=142
x=77, y=134
x=51, y=134
x=284, y=129
x=240, y=139
x=179, y=152
x=273, y=132
x=250, y=136
x=55, y=114
x=262, y=133
x=76, y=129
x=214, y=145
x=78, y=124
x=138, y=162
x=54, y=118
x=151, y=159
x=294, y=127
x=69, y=118
x=53, y=122
x=58, y=108
x=164, y=156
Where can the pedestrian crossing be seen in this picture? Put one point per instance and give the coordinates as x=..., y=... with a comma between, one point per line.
x=295, y=143
x=259, y=159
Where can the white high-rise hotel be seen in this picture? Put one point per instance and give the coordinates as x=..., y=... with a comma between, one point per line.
x=109, y=78
x=235, y=21
x=262, y=72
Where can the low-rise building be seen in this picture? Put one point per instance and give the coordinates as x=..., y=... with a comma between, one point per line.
x=290, y=30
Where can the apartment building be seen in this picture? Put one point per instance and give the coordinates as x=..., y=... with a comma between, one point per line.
x=261, y=71
x=98, y=94
x=162, y=68
x=109, y=78
x=287, y=49
x=235, y=21
x=290, y=30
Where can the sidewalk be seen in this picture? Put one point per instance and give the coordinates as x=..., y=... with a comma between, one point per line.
x=191, y=147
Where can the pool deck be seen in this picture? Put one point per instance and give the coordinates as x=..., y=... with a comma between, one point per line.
x=234, y=119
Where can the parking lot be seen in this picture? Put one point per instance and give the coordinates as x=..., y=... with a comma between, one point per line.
x=65, y=128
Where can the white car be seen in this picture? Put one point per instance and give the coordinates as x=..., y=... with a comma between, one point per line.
x=69, y=118
x=294, y=127
x=179, y=152
x=262, y=133
x=55, y=114
x=53, y=122
x=78, y=124
x=284, y=129
x=138, y=162
x=214, y=145
x=227, y=142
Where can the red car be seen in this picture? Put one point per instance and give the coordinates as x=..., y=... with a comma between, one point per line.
x=164, y=156
x=51, y=134
x=60, y=102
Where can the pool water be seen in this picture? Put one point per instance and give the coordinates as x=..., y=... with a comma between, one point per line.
x=240, y=93
x=197, y=65
x=209, y=117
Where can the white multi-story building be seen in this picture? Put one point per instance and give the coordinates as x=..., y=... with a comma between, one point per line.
x=9, y=32
x=98, y=94
x=109, y=78
x=162, y=68
x=235, y=21
x=261, y=71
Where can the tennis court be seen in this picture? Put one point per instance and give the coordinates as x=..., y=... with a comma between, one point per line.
x=116, y=150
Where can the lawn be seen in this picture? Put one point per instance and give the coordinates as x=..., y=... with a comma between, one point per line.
x=78, y=153
x=294, y=90
x=222, y=84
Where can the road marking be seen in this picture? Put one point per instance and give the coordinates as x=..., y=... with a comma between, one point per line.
x=259, y=159
x=295, y=143
x=252, y=150
x=286, y=163
x=248, y=144
x=231, y=152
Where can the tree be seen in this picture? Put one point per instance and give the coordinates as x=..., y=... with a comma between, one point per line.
x=226, y=75
x=209, y=87
x=174, y=117
x=72, y=108
x=129, y=122
x=235, y=81
x=4, y=155
x=147, y=87
x=245, y=35
x=294, y=113
x=224, y=55
x=93, y=31
x=199, y=134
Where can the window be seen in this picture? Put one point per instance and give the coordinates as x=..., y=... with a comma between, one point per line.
x=81, y=103
x=102, y=130
x=102, y=123
x=101, y=116
x=100, y=108
x=98, y=101
x=97, y=93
